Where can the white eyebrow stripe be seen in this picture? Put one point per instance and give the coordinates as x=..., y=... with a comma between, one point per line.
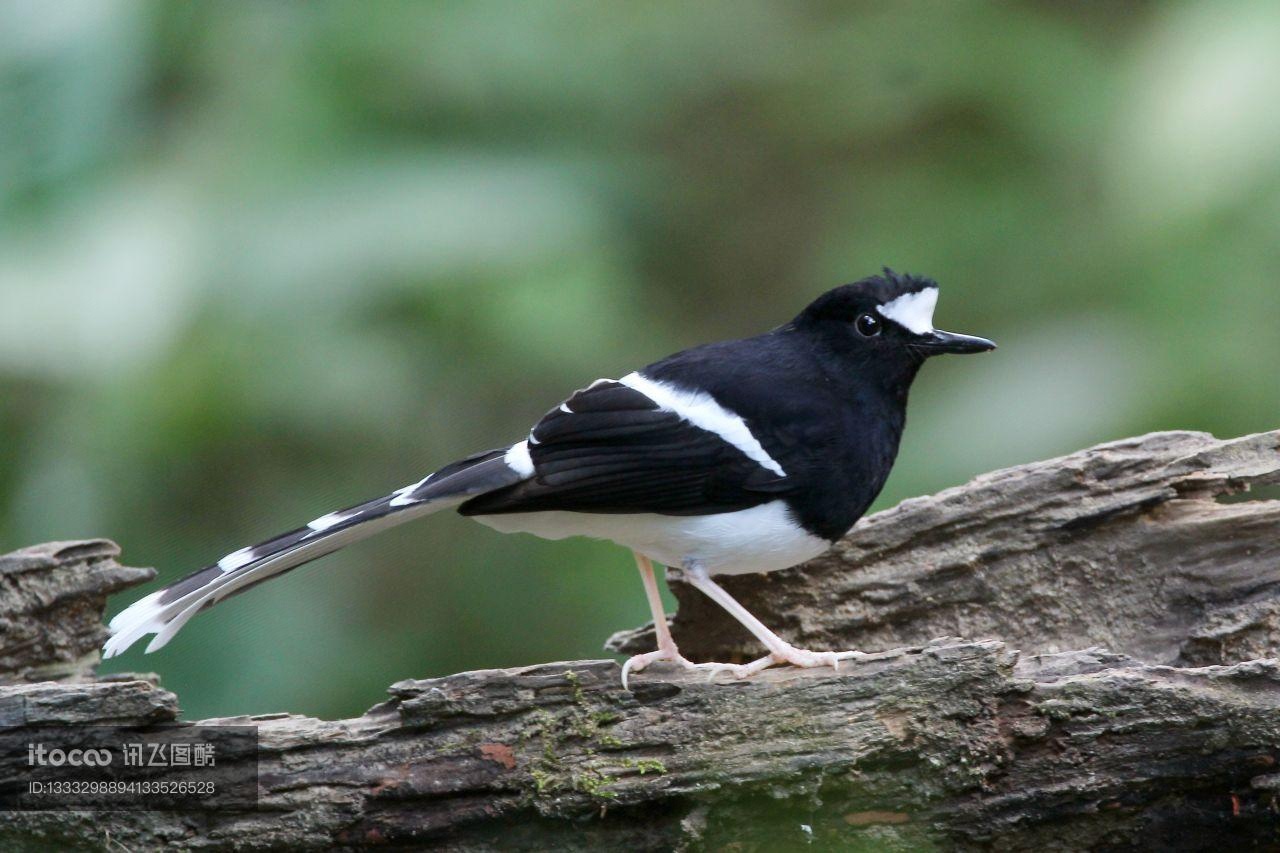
x=700, y=409
x=913, y=311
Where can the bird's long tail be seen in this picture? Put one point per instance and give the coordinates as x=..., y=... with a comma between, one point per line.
x=164, y=612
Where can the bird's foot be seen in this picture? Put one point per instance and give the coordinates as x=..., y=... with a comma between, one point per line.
x=637, y=663
x=788, y=654
x=808, y=660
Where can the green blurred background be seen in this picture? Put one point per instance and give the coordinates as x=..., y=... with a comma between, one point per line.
x=262, y=260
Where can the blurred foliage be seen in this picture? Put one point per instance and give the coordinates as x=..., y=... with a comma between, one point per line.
x=261, y=260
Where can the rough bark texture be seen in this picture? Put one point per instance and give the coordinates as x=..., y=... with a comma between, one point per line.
x=51, y=602
x=1169, y=739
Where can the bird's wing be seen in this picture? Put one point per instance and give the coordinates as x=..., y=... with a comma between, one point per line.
x=636, y=446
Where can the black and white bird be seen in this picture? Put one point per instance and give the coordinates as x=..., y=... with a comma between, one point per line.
x=749, y=455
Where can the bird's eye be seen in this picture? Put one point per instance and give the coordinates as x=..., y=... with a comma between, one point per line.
x=868, y=325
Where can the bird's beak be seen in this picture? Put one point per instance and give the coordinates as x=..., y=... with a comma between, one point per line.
x=937, y=342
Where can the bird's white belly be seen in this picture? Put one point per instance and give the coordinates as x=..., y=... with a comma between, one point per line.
x=760, y=539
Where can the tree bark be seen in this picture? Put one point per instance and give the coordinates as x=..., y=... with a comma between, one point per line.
x=51, y=601
x=1118, y=688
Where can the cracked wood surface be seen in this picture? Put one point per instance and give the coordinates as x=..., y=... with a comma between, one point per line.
x=1118, y=689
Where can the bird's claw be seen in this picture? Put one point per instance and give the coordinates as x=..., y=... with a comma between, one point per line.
x=807, y=660
x=796, y=657
x=637, y=663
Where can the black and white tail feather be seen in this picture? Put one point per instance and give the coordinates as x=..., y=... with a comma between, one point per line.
x=164, y=612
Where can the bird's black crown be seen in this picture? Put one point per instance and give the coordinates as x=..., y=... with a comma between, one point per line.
x=846, y=302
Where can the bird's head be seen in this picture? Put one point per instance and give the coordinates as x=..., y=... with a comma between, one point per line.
x=886, y=321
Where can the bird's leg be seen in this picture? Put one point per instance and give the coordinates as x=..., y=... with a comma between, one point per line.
x=667, y=649
x=780, y=651
x=666, y=642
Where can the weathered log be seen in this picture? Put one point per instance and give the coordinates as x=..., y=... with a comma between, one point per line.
x=953, y=745
x=1127, y=545
x=942, y=742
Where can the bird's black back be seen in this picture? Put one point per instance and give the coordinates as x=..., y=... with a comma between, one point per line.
x=834, y=433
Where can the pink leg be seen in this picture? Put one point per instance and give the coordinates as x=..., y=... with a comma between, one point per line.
x=650, y=580
x=780, y=651
x=667, y=645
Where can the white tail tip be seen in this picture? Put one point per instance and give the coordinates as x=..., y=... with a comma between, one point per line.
x=133, y=623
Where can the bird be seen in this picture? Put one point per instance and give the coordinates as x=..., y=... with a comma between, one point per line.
x=742, y=456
